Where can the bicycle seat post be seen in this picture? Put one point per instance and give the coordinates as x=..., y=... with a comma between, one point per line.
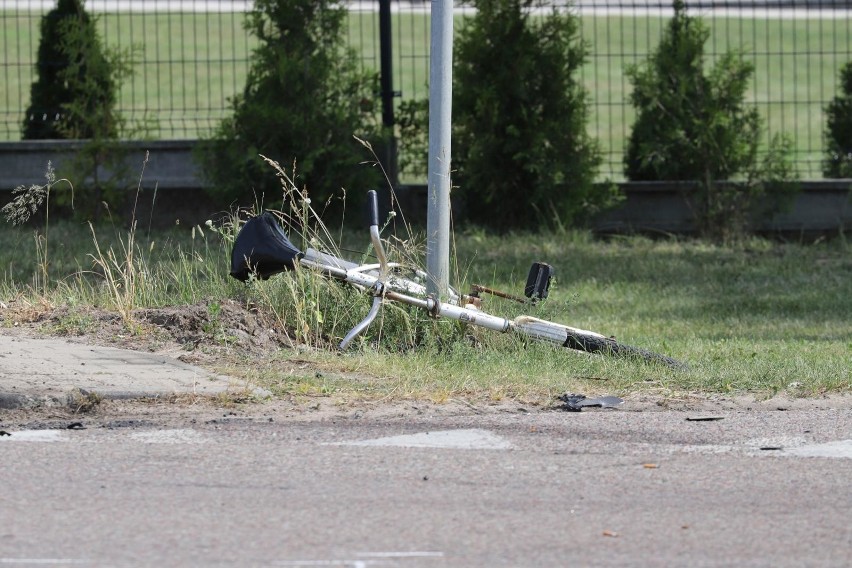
x=373, y=203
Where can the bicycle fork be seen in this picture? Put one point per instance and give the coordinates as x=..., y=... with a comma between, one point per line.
x=378, y=290
x=432, y=305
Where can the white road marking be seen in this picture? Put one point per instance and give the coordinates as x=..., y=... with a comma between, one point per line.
x=34, y=436
x=785, y=442
x=178, y=436
x=381, y=559
x=401, y=554
x=836, y=449
x=780, y=446
x=40, y=561
x=352, y=563
x=473, y=439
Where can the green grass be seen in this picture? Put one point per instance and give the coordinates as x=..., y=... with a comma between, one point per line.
x=757, y=317
x=198, y=61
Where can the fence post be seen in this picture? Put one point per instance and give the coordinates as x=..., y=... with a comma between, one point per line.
x=389, y=158
x=440, y=113
x=386, y=62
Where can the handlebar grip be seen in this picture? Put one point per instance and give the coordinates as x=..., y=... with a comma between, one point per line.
x=373, y=204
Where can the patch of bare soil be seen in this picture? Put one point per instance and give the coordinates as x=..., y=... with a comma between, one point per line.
x=208, y=333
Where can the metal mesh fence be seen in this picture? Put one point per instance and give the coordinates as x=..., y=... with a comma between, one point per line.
x=797, y=48
x=193, y=56
x=190, y=57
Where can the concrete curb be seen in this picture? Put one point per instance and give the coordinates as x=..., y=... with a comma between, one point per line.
x=13, y=401
x=54, y=372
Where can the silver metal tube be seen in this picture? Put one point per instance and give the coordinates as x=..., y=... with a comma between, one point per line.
x=467, y=315
x=377, y=303
x=548, y=330
x=440, y=118
x=332, y=271
x=474, y=317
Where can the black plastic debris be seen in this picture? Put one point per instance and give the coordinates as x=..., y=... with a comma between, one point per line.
x=577, y=402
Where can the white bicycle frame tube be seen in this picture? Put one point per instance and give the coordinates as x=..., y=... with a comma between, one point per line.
x=549, y=331
x=357, y=277
x=337, y=268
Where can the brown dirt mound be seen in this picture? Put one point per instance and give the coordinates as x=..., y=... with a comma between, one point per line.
x=207, y=326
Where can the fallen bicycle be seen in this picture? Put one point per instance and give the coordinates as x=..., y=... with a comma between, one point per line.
x=263, y=249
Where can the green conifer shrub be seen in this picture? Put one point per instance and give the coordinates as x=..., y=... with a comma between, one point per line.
x=838, y=133
x=75, y=97
x=695, y=126
x=71, y=69
x=521, y=153
x=304, y=100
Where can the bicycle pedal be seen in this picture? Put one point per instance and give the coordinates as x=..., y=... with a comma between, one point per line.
x=538, y=281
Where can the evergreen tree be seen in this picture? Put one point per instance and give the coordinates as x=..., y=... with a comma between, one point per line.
x=521, y=153
x=71, y=69
x=838, y=134
x=692, y=126
x=304, y=99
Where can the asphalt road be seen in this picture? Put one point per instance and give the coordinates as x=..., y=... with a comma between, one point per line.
x=427, y=487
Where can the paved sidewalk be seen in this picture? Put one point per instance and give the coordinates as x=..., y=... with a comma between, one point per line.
x=37, y=372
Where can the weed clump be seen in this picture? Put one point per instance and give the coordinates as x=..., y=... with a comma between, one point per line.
x=317, y=311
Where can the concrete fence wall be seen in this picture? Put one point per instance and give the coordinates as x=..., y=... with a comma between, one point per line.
x=170, y=163
x=820, y=206
x=823, y=206
x=171, y=188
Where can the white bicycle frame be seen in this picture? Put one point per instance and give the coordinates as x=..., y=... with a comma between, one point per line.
x=261, y=248
x=378, y=280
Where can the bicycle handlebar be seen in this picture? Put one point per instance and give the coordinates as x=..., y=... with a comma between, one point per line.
x=373, y=205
